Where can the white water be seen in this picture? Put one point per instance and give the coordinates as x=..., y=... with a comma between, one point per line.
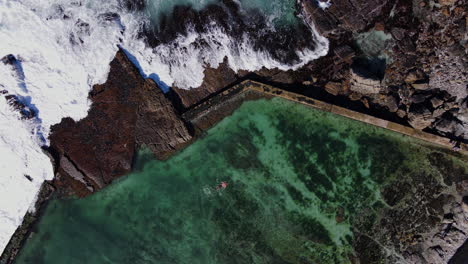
x=61, y=61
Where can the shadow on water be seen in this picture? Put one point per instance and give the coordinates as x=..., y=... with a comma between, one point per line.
x=27, y=108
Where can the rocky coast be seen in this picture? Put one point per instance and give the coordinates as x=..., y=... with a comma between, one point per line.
x=401, y=61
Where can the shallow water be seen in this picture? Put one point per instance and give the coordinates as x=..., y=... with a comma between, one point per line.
x=297, y=178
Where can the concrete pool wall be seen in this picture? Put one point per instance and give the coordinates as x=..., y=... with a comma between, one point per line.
x=227, y=101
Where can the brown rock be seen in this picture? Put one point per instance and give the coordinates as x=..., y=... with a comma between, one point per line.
x=345, y=53
x=414, y=76
x=333, y=88
x=447, y=2
x=436, y=102
x=355, y=96
x=364, y=85
x=391, y=103
x=379, y=26
x=420, y=117
x=214, y=81
x=158, y=127
x=401, y=113
x=365, y=101
x=438, y=112
x=99, y=148
x=420, y=86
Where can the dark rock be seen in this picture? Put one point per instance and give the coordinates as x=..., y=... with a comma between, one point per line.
x=450, y=125
x=334, y=88
x=401, y=113
x=99, y=148
x=398, y=33
x=438, y=112
x=345, y=53
x=158, y=127
x=418, y=98
x=436, y=102
x=364, y=85
x=419, y=116
x=8, y=59
x=354, y=15
x=18, y=104
x=215, y=80
x=414, y=76
x=325, y=23
x=391, y=103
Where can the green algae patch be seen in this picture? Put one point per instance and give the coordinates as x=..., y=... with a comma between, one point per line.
x=298, y=179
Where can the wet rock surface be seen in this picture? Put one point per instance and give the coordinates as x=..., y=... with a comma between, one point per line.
x=421, y=49
x=127, y=112
x=402, y=56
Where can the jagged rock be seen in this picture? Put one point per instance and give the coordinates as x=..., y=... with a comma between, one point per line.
x=325, y=23
x=420, y=117
x=398, y=33
x=25, y=111
x=214, y=81
x=391, y=103
x=420, y=86
x=450, y=74
x=355, y=96
x=438, y=112
x=345, y=53
x=401, y=113
x=417, y=98
x=447, y=2
x=99, y=148
x=158, y=127
x=436, y=102
x=352, y=15
x=450, y=125
x=364, y=85
x=414, y=76
x=333, y=88
x=9, y=59
x=465, y=205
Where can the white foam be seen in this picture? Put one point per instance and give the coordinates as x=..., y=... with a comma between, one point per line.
x=20, y=155
x=61, y=60
x=324, y=5
x=182, y=62
x=57, y=77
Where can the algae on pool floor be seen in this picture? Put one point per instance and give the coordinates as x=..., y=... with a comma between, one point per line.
x=297, y=178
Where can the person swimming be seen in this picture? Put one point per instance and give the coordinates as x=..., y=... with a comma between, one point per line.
x=221, y=186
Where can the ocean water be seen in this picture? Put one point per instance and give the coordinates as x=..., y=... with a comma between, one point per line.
x=63, y=48
x=297, y=179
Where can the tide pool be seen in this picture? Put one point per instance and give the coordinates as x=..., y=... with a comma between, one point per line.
x=297, y=180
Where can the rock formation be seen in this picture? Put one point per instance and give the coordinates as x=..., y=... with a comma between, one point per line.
x=422, y=57
x=127, y=112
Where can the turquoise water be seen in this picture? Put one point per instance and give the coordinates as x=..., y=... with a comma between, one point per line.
x=297, y=179
x=277, y=11
x=155, y=8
